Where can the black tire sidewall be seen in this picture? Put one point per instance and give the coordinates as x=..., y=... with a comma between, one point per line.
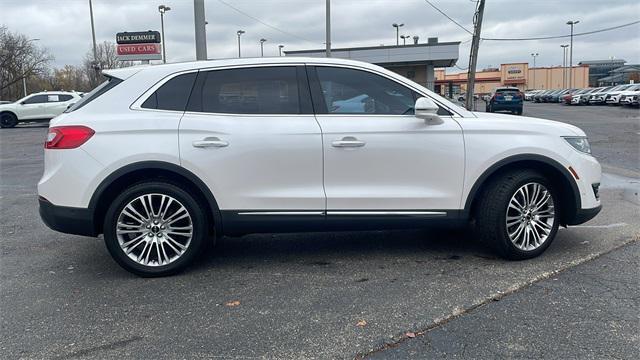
x=512, y=251
x=198, y=219
x=12, y=120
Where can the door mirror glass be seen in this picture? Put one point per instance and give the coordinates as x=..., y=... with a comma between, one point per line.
x=426, y=109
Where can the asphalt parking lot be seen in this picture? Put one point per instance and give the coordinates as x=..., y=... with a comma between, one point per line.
x=387, y=294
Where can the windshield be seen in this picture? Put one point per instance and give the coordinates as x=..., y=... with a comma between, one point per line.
x=93, y=94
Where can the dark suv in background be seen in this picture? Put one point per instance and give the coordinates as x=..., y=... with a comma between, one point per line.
x=506, y=99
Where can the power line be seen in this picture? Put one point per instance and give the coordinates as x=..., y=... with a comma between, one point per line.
x=448, y=17
x=563, y=36
x=262, y=22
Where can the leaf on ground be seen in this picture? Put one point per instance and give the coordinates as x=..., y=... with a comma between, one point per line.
x=361, y=323
x=410, y=334
x=233, y=303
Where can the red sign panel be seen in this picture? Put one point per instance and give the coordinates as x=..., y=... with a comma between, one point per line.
x=138, y=49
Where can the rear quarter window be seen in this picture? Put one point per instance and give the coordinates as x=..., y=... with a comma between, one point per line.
x=172, y=95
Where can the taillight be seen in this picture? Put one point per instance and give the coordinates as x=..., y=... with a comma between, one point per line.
x=67, y=137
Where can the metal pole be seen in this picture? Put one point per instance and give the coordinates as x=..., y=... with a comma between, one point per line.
x=164, y=43
x=200, y=29
x=24, y=84
x=93, y=36
x=261, y=48
x=473, y=56
x=239, y=32
x=534, y=55
x=571, y=23
x=328, y=29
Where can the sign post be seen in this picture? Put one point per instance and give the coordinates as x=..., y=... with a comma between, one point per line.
x=139, y=45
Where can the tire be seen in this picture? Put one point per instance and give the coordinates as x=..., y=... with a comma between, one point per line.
x=147, y=239
x=493, y=208
x=8, y=120
x=519, y=112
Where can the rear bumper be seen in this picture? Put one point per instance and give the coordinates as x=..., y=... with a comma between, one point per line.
x=69, y=220
x=499, y=106
x=584, y=215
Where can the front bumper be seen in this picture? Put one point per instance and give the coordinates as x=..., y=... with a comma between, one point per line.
x=583, y=215
x=69, y=220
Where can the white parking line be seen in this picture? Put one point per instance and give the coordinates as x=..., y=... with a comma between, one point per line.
x=601, y=226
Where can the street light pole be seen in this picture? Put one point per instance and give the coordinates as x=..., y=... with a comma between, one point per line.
x=262, y=41
x=397, y=26
x=280, y=49
x=564, y=65
x=200, y=29
x=96, y=66
x=404, y=39
x=327, y=39
x=239, y=32
x=162, y=9
x=534, y=55
x=24, y=75
x=571, y=23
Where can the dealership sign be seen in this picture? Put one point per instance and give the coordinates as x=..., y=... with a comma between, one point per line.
x=140, y=45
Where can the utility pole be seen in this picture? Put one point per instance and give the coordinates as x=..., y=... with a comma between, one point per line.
x=473, y=56
x=564, y=66
x=327, y=39
x=571, y=23
x=96, y=65
x=534, y=55
x=200, y=29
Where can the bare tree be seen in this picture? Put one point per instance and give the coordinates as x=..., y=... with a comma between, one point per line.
x=106, y=58
x=19, y=58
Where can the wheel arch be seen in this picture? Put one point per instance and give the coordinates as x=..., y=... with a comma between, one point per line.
x=10, y=112
x=130, y=174
x=560, y=177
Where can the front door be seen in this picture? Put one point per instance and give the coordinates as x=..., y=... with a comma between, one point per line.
x=378, y=157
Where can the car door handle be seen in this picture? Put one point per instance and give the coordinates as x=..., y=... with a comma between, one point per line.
x=348, y=141
x=210, y=142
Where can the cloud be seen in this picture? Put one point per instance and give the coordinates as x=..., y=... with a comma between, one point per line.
x=64, y=27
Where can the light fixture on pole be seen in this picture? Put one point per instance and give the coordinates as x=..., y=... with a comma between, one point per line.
x=564, y=65
x=397, y=26
x=404, y=39
x=280, y=49
x=163, y=9
x=262, y=41
x=571, y=23
x=239, y=32
x=24, y=75
x=534, y=55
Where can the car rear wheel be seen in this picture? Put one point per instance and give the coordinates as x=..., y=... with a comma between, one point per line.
x=8, y=120
x=154, y=229
x=517, y=214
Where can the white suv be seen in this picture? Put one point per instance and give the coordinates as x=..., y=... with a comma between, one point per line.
x=161, y=159
x=40, y=106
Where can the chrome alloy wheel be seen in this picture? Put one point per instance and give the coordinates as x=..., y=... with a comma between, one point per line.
x=530, y=216
x=154, y=229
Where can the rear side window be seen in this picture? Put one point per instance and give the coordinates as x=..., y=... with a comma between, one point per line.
x=65, y=97
x=260, y=90
x=95, y=93
x=37, y=99
x=172, y=95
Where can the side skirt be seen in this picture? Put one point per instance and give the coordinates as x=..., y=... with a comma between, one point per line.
x=240, y=222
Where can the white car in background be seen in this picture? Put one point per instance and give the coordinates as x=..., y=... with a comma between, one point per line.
x=614, y=97
x=630, y=98
x=41, y=106
x=161, y=159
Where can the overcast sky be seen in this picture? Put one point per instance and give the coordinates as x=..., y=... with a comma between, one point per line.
x=63, y=26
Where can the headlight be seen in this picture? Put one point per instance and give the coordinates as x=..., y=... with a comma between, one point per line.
x=580, y=143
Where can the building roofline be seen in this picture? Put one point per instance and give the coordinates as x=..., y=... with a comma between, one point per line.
x=372, y=47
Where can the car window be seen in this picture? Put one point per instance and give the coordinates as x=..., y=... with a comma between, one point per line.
x=350, y=91
x=259, y=90
x=172, y=95
x=95, y=93
x=65, y=97
x=36, y=99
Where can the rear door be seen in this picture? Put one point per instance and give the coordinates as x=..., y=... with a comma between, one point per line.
x=250, y=134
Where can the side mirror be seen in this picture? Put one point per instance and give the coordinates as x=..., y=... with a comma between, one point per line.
x=426, y=109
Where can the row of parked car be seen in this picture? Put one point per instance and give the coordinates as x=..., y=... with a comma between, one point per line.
x=626, y=94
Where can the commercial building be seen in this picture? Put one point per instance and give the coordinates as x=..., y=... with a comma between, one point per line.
x=601, y=68
x=622, y=75
x=519, y=75
x=414, y=61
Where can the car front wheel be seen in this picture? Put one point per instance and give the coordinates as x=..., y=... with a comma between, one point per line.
x=517, y=214
x=154, y=229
